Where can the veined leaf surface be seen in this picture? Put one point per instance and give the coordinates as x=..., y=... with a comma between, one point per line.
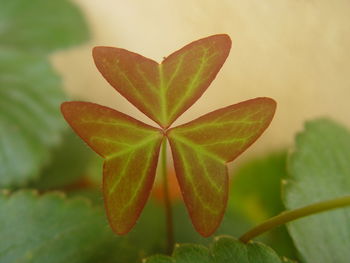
x=30, y=89
x=318, y=170
x=201, y=149
x=225, y=249
x=164, y=91
x=130, y=149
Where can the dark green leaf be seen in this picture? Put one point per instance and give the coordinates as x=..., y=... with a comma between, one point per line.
x=29, y=118
x=40, y=25
x=51, y=228
x=30, y=123
x=288, y=260
x=256, y=196
x=69, y=162
x=319, y=169
x=224, y=250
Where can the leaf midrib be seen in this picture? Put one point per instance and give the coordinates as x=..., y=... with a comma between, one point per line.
x=198, y=147
x=132, y=148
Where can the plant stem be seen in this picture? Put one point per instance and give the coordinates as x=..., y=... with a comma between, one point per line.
x=167, y=201
x=288, y=216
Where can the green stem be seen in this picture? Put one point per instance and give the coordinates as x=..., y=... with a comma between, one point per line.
x=167, y=201
x=287, y=216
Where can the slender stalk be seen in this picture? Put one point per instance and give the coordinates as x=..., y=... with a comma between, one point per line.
x=167, y=201
x=288, y=216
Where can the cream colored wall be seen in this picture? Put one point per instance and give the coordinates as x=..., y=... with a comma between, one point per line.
x=295, y=51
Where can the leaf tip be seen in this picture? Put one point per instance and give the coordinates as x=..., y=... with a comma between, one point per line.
x=267, y=101
x=97, y=52
x=268, y=108
x=225, y=39
x=117, y=227
x=207, y=233
x=65, y=107
x=207, y=230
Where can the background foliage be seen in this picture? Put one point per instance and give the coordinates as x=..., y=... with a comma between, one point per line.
x=63, y=220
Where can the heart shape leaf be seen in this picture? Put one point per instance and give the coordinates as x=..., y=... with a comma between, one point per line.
x=164, y=91
x=130, y=149
x=201, y=149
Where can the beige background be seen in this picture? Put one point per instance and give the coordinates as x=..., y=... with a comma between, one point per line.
x=295, y=51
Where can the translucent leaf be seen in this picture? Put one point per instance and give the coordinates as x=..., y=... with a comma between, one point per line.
x=201, y=149
x=130, y=149
x=164, y=91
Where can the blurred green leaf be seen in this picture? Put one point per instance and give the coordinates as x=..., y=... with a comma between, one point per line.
x=232, y=224
x=256, y=187
x=319, y=169
x=69, y=163
x=149, y=235
x=51, y=228
x=40, y=25
x=151, y=224
x=256, y=196
x=30, y=94
x=224, y=250
x=288, y=260
x=29, y=118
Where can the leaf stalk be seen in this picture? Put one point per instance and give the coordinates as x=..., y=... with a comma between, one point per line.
x=288, y=216
x=167, y=201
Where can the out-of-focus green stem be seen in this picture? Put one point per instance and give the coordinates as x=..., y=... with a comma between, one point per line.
x=288, y=216
x=167, y=201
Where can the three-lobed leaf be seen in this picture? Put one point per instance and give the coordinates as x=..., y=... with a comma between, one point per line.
x=201, y=148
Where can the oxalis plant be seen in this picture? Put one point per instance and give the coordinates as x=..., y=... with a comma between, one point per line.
x=200, y=148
